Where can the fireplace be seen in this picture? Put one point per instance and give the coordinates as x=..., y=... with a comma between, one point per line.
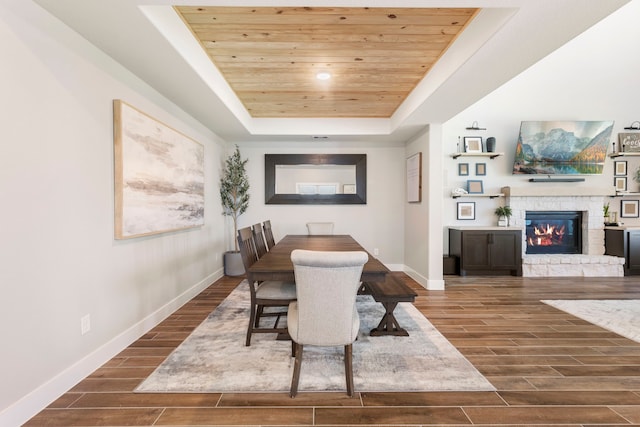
x=553, y=232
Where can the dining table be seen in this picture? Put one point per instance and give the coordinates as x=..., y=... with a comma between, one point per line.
x=276, y=264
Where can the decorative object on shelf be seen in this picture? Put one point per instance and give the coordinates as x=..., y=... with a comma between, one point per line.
x=629, y=142
x=620, y=182
x=610, y=217
x=466, y=210
x=620, y=167
x=234, y=195
x=472, y=144
x=457, y=192
x=490, y=144
x=475, y=186
x=463, y=169
x=503, y=213
x=629, y=208
x=481, y=169
x=633, y=126
x=474, y=126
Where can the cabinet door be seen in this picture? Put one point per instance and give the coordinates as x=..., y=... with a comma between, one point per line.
x=505, y=250
x=633, y=250
x=475, y=251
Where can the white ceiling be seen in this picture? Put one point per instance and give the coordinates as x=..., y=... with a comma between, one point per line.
x=507, y=37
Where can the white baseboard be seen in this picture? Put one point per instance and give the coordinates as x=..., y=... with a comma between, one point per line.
x=29, y=405
x=430, y=284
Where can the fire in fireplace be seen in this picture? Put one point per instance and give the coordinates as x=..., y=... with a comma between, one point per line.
x=553, y=232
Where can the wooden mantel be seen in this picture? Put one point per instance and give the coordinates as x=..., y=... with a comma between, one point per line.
x=563, y=190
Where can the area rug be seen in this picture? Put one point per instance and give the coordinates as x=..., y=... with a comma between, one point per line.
x=619, y=316
x=214, y=358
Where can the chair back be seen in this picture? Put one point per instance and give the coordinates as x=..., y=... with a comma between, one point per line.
x=320, y=228
x=247, y=247
x=258, y=240
x=327, y=283
x=268, y=234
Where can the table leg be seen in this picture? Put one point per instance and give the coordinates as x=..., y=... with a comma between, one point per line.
x=389, y=324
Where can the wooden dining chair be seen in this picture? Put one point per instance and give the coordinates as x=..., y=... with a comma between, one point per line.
x=325, y=312
x=268, y=234
x=320, y=228
x=275, y=295
x=258, y=238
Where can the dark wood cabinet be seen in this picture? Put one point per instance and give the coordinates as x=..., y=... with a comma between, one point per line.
x=487, y=251
x=624, y=243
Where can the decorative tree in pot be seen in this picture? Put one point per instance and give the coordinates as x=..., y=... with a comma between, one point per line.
x=234, y=194
x=503, y=213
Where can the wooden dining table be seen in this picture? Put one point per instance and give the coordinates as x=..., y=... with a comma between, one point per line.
x=276, y=264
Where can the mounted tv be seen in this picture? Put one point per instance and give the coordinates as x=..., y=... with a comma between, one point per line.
x=562, y=147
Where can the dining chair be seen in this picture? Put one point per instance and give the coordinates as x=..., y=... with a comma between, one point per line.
x=268, y=234
x=258, y=238
x=325, y=313
x=275, y=295
x=320, y=228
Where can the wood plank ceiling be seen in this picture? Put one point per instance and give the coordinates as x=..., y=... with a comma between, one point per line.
x=376, y=56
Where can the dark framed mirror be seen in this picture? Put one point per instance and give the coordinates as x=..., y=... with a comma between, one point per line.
x=315, y=179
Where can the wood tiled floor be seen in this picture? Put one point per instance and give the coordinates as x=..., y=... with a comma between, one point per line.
x=550, y=368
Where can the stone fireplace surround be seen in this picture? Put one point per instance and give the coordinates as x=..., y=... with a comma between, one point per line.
x=569, y=197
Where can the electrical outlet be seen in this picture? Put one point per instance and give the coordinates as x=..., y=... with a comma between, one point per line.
x=376, y=252
x=85, y=324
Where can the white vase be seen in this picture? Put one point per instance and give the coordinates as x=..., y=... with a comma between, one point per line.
x=503, y=221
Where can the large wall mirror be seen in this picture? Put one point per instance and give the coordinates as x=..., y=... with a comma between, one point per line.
x=315, y=179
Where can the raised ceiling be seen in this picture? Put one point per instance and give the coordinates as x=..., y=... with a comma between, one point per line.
x=270, y=56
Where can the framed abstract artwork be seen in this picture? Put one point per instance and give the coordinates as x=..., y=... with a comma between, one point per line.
x=158, y=174
x=466, y=210
x=629, y=208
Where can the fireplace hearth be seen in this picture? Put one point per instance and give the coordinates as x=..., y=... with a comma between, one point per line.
x=553, y=232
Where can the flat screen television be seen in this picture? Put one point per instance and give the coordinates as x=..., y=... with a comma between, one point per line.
x=562, y=147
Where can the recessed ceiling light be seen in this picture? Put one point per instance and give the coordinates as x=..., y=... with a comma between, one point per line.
x=323, y=76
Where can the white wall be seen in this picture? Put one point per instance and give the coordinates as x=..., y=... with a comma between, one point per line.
x=59, y=259
x=593, y=77
x=376, y=224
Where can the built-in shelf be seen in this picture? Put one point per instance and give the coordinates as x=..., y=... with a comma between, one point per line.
x=489, y=195
x=625, y=154
x=625, y=193
x=490, y=155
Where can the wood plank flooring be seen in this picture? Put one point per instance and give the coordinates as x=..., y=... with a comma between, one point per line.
x=549, y=367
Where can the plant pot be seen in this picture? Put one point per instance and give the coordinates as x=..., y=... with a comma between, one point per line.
x=503, y=221
x=233, y=265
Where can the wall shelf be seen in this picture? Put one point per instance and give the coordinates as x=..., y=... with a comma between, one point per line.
x=490, y=155
x=489, y=195
x=556, y=179
x=625, y=193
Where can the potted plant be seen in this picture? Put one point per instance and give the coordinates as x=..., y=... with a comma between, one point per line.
x=234, y=194
x=503, y=213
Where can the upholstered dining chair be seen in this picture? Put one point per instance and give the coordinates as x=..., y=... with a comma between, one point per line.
x=320, y=228
x=324, y=313
x=275, y=295
x=268, y=234
x=258, y=238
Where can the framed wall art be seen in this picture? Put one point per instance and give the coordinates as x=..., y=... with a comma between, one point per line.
x=481, y=169
x=473, y=144
x=620, y=167
x=629, y=142
x=620, y=182
x=475, y=186
x=629, y=208
x=414, y=178
x=159, y=176
x=463, y=169
x=466, y=210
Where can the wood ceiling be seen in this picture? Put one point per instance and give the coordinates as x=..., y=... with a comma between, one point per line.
x=376, y=56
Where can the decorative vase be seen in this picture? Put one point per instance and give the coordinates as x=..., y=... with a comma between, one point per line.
x=233, y=265
x=491, y=144
x=503, y=221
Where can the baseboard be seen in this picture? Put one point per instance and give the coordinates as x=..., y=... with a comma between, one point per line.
x=429, y=284
x=28, y=406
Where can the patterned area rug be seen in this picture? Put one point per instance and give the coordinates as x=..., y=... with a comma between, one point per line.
x=214, y=358
x=619, y=316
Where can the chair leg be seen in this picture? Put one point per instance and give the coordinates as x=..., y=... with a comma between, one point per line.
x=252, y=317
x=348, y=368
x=296, y=370
x=259, y=311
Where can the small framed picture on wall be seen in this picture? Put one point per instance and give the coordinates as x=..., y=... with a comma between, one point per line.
x=481, y=169
x=475, y=186
x=629, y=208
x=620, y=168
x=473, y=144
x=620, y=182
x=463, y=169
x=466, y=210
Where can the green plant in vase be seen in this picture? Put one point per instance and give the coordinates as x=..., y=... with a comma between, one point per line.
x=503, y=213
